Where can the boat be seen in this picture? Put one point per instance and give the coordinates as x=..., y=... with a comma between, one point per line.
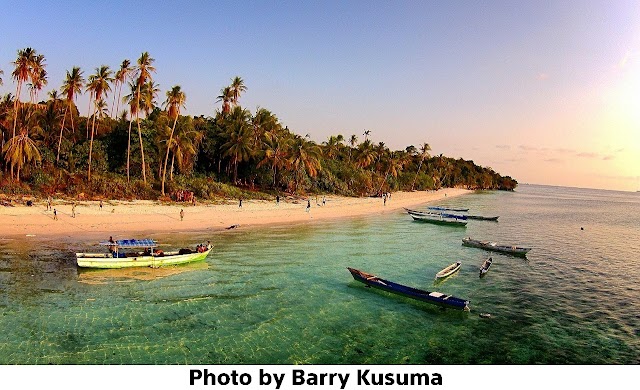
x=442, y=208
x=440, y=219
x=492, y=246
x=450, y=270
x=433, y=297
x=125, y=254
x=481, y=218
x=484, y=268
x=436, y=213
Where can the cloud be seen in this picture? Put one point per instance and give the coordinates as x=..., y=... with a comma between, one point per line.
x=554, y=160
x=506, y=147
x=607, y=158
x=528, y=147
x=625, y=59
x=588, y=155
x=564, y=150
x=542, y=76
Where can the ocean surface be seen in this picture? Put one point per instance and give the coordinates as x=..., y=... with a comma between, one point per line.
x=284, y=295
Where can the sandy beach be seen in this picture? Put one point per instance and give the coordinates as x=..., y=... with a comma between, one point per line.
x=119, y=219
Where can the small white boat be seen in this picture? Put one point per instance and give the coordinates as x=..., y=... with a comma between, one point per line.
x=484, y=268
x=118, y=257
x=450, y=270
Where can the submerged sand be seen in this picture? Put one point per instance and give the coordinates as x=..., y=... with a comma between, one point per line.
x=119, y=218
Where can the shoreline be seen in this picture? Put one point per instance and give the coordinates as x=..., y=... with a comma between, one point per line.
x=123, y=219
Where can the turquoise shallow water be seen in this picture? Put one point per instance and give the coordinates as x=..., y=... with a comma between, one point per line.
x=283, y=294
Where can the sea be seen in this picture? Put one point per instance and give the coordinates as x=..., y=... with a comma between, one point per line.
x=283, y=294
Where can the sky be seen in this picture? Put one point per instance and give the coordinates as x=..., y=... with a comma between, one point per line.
x=547, y=92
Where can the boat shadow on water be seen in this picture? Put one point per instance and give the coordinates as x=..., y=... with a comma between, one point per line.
x=124, y=275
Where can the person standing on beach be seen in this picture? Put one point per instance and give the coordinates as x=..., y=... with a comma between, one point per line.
x=181, y=214
x=240, y=204
x=277, y=200
x=55, y=215
x=101, y=205
x=384, y=199
x=324, y=200
x=73, y=211
x=48, y=203
x=308, y=205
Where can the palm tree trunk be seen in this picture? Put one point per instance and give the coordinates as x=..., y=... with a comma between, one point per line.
x=88, y=114
x=61, y=129
x=173, y=159
x=129, y=148
x=417, y=172
x=166, y=157
x=15, y=109
x=118, y=103
x=113, y=103
x=144, y=171
x=93, y=125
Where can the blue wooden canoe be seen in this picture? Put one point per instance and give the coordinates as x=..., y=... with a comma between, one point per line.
x=432, y=297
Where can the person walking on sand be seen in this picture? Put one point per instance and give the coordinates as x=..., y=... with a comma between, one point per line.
x=240, y=204
x=308, y=205
x=181, y=214
x=73, y=211
x=100, y=205
x=384, y=199
x=324, y=200
x=277, y=200
x=55, y=215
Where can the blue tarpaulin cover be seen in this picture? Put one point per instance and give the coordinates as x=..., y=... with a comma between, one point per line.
x=133, y=243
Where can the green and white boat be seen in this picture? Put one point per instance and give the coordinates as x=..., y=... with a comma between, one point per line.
x=125, y=254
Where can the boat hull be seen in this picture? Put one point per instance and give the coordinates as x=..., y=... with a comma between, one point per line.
x=510, y=250
x=105, y=260
x=437, y=220
x=450, y=270
x=431, y=297
x=481, y=218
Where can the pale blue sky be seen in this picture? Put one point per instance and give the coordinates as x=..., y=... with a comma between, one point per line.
x=540, y=90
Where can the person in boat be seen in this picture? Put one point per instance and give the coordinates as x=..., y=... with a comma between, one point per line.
x=112, y=247
x=147, y=252
x=158, y=252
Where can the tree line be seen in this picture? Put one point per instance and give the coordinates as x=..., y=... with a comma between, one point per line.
x=131, y=145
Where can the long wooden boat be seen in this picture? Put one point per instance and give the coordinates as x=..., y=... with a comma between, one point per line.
x=435, y=213
x=125, y=254
x=450, y=270
x=492, y=246
x=432, y=297
x=439, y=219
x=442, y=208
x=484, y=268
x=481, y=218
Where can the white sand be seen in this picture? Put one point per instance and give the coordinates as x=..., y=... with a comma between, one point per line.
x=117, y=218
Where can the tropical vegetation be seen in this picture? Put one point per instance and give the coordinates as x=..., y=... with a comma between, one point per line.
x=48, y=147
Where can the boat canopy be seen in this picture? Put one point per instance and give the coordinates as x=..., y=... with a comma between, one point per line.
x=133, y=243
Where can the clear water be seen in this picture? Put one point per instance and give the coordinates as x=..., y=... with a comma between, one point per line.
x=283, y=294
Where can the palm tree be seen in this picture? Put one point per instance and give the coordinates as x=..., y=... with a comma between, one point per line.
x=98, y=86
x=424, y=153
x=304, y=158
x=143, y=74
x=1, y=73
x=226, y=97
x=333, y=145
x=237, y=88
x=239, y=146
x=176, y=100
x=366, y=134
x=365, y=154
x=121, y=77
x=20, y=150
x=353, y=140
x=132, y=100
x=38, y=76
x=276, y=153
x=21, y=73
x=70, y=88
x=187, y=139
